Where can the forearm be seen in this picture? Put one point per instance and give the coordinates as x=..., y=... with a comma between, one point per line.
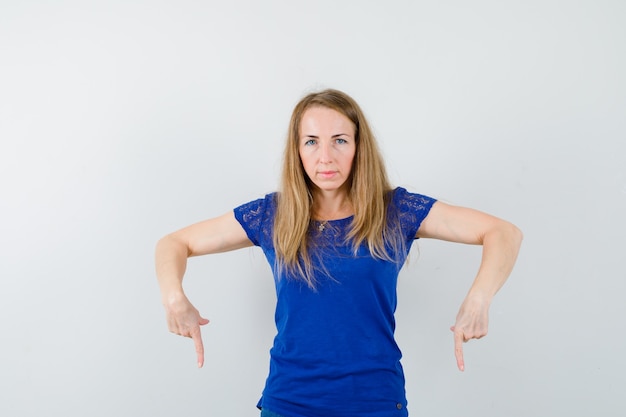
x=170, y=262
x=182, y=317
x=500, y=248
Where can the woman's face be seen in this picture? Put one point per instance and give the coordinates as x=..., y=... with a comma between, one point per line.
x=327, y=146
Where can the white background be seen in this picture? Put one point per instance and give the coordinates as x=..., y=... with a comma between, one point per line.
x=121, y=121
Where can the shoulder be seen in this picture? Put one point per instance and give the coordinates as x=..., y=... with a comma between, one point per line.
x=263, y=203
x=405, y=200
x=257, y=210
x=256, y=217
x=408, y=209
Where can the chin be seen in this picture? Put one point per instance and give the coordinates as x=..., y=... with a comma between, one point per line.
x=330, y=187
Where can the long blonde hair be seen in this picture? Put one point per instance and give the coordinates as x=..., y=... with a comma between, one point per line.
x=369, y=192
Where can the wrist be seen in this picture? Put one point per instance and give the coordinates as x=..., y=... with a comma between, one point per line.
x=172, y=296
x=480, y=295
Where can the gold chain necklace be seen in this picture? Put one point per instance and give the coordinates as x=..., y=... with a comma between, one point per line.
x=322, y=224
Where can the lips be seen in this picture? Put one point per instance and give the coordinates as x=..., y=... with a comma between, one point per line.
x=327, y=174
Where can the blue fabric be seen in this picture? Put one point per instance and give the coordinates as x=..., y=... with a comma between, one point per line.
x=335, y=354
x=267, y=413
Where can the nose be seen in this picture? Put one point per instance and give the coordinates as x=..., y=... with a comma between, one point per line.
x=325, y=152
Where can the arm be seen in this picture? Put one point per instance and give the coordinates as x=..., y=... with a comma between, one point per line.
x=501, y=241
x=216, y=235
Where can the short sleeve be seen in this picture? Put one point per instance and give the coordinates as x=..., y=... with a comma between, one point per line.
x=411, y=210
x=256, y=218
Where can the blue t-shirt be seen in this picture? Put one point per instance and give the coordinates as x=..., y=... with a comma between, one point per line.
x=334, y=354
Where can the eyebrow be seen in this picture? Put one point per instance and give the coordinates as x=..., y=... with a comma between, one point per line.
x=333, y=136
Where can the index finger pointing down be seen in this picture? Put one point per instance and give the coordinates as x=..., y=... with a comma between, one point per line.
x=197, y=340
x=458, y=349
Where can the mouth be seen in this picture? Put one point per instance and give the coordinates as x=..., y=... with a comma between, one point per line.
x=327, y=174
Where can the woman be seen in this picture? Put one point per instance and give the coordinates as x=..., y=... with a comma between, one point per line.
x=336, y=236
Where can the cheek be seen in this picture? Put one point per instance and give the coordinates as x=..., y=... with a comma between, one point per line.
x=350, y=158
x=304, y=161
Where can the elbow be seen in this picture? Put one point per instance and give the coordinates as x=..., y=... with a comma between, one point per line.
x=170, y=243
x=519, y=235
x=165, y=241
x=504, y=233
x=516, y=235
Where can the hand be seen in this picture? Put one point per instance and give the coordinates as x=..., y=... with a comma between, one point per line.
x=184, y=319
x=472, y=322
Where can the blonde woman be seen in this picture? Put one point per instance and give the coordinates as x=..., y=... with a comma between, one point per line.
x=336, y=235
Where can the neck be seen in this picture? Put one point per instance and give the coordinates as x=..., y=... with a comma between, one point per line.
x=333, y=205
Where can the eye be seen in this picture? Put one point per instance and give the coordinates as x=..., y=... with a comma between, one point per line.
x=310, y=142
x=341, y=141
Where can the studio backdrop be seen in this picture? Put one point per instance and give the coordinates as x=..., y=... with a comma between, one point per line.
x=122, y=121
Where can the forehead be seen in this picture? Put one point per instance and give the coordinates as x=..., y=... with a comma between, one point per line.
x=325, y=120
